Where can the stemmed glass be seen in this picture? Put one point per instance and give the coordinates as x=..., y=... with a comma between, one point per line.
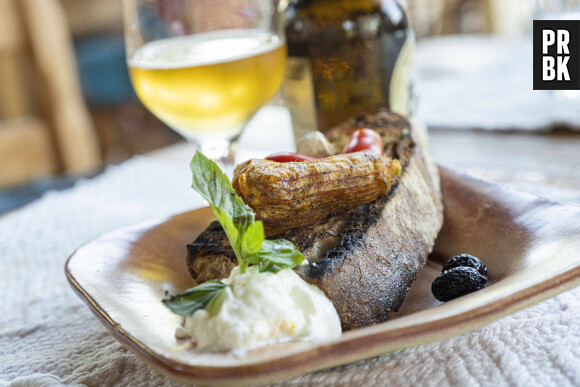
x=205, y=67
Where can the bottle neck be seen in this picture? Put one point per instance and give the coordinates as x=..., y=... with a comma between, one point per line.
x=330, y=13
x=337, y=9
x=342, y=6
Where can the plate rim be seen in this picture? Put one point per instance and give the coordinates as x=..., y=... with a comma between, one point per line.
x=380, y=340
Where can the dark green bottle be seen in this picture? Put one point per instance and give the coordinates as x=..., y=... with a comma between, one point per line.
x=346, y=57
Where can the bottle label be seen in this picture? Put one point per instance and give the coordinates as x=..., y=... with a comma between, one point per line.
x=400, y=96
x=299, y=96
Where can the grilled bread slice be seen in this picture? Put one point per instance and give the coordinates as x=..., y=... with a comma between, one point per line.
x=364, y=258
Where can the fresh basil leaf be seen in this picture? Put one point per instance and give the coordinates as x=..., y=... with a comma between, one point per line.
x=215, y=187
x=246, y=236
x=199, y=297
x=214, y=306
x=253, y=238
x=211, y=183
x=268, y=266
x=232, y=213
x=277, y=255
x=229, y=227
x=243, y=215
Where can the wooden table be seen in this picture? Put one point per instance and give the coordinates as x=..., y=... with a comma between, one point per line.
x=518, y=158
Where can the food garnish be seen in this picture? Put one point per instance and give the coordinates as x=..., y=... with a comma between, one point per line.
x=360, y=140
x=288, y=157
x=296, y=194
x=315, y=144
x=465, y=260
x=245, y=234
x=260, y=308
x=365, y=139
x=461, y=275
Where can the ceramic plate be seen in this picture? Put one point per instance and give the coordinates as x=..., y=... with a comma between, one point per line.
x=530, y=245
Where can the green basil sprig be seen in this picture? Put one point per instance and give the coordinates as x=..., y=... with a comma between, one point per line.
x=246, y=235
x=204, y=296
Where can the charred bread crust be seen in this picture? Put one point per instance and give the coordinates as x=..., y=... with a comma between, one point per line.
x=382, y=251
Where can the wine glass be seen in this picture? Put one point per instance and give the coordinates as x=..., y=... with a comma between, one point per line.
x=205, y=67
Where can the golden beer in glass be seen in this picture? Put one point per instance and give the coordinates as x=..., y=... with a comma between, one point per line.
x=205, y=80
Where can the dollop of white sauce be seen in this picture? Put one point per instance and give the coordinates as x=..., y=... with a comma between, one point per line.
x=262, y=308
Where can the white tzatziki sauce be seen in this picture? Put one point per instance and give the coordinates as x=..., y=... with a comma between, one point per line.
x=262, y=308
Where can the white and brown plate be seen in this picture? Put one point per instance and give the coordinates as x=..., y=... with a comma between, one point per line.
x=530, y=245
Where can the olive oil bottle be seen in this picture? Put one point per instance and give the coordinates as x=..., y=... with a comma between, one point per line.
x=346, y=57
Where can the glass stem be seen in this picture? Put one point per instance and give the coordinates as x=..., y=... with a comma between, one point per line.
x=222, y=152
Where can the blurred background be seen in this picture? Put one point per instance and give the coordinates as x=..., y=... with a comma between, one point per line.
x=67, y=108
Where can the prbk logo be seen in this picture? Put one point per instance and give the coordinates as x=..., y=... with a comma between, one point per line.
x=556, y=54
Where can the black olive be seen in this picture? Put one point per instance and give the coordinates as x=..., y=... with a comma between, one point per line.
x=457, y=282
x=465, y=260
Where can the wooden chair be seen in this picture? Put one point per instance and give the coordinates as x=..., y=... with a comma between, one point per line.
x=45, y=126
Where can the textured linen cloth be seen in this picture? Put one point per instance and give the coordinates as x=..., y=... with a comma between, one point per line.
x=49, y=337
x=484, y=82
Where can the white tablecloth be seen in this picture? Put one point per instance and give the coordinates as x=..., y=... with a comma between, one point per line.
x=483, y=82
